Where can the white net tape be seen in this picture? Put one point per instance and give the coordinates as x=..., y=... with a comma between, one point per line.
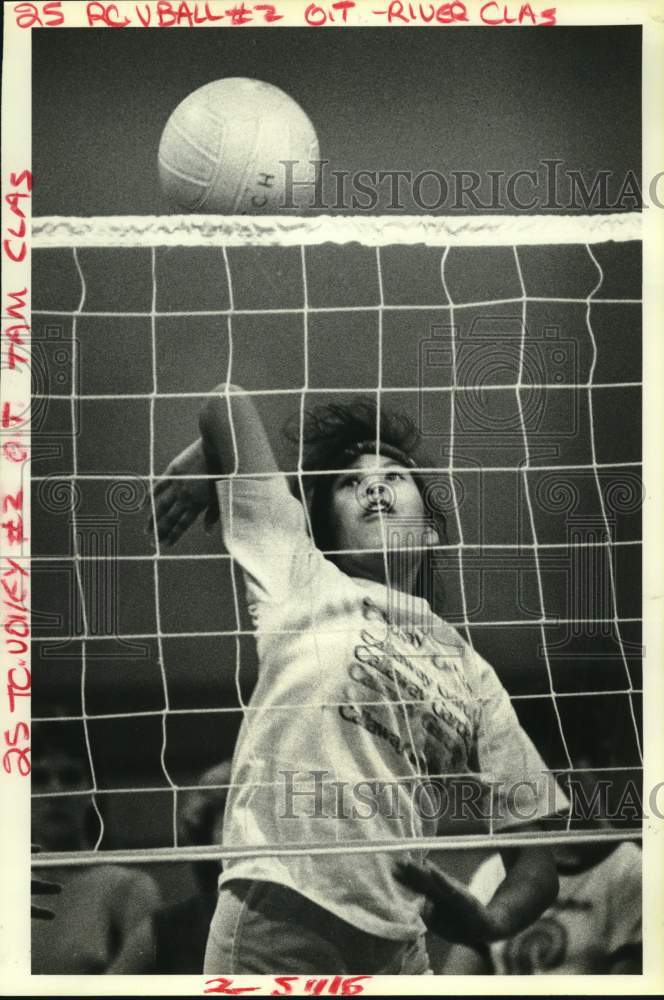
x=235, y=231
x=165, y=235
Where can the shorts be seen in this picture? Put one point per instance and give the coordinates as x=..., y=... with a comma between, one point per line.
x=265, y=928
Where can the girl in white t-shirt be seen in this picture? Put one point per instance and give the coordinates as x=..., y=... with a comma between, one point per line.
x=372, y=722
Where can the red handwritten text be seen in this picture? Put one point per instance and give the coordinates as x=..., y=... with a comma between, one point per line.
x=14, y=245
x=456, y=12
x=14, y=334
x=498, y=13
x=187, y=14
x=316, y=15
x=44, y=15
x=180, y=14
x=407, y=13
x=345, y=986
x=14, y=580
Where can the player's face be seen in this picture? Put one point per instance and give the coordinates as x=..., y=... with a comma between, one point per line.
x=376, y=505
x=58, y=818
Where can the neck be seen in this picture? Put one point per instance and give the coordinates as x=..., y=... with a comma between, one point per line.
x=398, y=571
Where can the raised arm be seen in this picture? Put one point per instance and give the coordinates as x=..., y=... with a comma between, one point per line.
x=233, y=436
x=233, y=439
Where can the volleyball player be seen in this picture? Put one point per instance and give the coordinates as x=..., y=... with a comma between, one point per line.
x=363, y=691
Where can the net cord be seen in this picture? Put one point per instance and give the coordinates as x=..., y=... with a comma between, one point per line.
x=407, y=230
x=453, y=843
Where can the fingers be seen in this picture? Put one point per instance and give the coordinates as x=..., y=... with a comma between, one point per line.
x=169, y=509
x=164, y=511
x=171, y=526
x=419, y=879
x=44, y=888
x=161, y=496
x=415, y=877
x=212, y=510
x=178, y=529
x=428, y=881
x=175, y=505
x=161, y=485
x=449, y=909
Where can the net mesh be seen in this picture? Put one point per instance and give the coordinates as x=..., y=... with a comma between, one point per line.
x=515, y=347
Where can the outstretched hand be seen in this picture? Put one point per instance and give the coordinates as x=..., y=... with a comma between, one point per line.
x=450, y=911
x=178, y=502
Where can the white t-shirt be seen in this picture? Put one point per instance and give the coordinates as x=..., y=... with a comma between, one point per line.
x=597, y=912
x=338, y=658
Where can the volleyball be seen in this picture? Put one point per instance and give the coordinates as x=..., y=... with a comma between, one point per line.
x=224, y=148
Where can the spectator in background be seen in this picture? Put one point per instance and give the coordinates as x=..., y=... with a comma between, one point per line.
x=593, y=927
x=172, y=940
x=99, y=904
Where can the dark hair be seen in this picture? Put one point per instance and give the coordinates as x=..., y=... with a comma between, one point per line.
x=333, y=436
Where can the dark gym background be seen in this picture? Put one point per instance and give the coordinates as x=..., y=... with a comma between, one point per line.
x=379, y=99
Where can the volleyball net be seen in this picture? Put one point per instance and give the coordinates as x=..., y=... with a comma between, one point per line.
x=514, y=345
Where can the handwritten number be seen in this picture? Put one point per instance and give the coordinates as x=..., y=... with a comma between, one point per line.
x=284, y=985
x=226, y=987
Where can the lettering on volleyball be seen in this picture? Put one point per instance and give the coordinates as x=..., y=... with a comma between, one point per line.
x=260, y=200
